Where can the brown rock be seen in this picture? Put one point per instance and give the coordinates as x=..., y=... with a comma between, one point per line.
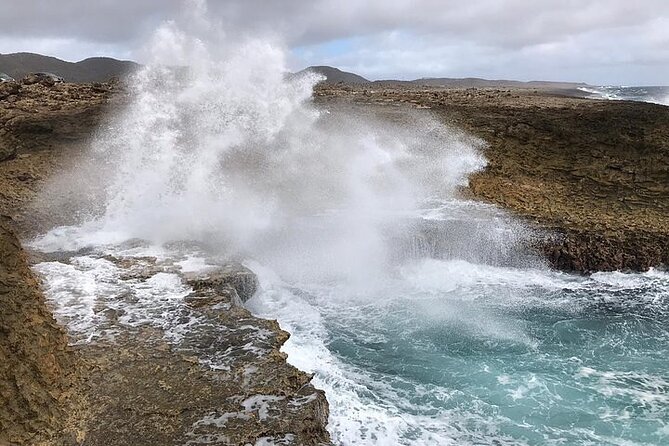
x=144, y=390
x=37, y=369
x=7, y=150
x=8, y=89
x=594, y=172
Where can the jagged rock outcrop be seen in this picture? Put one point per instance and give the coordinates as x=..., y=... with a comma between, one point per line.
x=224, y=381
x=37, y=369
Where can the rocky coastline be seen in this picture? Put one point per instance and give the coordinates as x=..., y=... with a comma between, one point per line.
x=135, y=387
x=38, y=371
x=592, y=174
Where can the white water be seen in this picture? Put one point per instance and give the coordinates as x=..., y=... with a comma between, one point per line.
x=654, y=95
x=419, y=313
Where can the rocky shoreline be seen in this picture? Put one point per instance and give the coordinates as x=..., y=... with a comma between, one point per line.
x=38, y=371
x=593, y=174
x=141, y=387
x=135, y=387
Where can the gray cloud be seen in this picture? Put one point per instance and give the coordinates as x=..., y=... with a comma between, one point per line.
x=106, y=21
x=594, y=40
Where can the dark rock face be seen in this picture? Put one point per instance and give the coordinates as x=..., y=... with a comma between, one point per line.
x=238, y=282
x=588, y=251
x=37, y=369
x=7, y=151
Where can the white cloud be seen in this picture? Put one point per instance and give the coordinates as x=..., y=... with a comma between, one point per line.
x=600, y=41
x=66, y=48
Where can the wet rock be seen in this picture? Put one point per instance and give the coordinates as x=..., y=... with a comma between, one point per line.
x=56, y=256
x=224, y=382
x=590, y=251
x=232, y=277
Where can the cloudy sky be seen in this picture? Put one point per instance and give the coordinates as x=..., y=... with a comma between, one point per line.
x=596, y=41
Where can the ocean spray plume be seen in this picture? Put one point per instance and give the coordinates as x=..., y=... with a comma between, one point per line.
x=218, y=145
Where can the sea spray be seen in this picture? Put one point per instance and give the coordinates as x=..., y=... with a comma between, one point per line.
x=219, y=144
x=653, y=95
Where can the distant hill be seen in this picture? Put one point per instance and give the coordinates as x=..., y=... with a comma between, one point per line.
x=334, y=75
x=100, y=69
x=476, y=82
x=95, y=69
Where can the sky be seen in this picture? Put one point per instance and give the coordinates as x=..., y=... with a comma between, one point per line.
x=602, y=42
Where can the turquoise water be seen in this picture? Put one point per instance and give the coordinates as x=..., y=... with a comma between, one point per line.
x=463, y=340
x=439, y=351
x=448, y=351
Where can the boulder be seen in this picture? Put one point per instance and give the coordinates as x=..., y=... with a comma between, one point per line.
x=8, y=89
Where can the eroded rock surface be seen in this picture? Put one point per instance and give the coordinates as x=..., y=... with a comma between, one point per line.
x=136, y=378
x=175, y=358
x=42, y=130
x=595, y=173
x=38, y=371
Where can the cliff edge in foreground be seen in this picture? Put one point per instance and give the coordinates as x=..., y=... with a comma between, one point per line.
x=37, y=369
x=134, y=385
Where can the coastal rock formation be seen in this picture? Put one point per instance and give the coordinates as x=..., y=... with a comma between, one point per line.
x=594, y=173
x=224, y=381
x=8, y=89
x=42, y=130
x=37, y=369
x=136, y=386
x=40, y=117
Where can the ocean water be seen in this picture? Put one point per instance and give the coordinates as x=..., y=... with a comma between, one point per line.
x=454, y=352
x=441, y=348
x=655, y=95
x=422, y=315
